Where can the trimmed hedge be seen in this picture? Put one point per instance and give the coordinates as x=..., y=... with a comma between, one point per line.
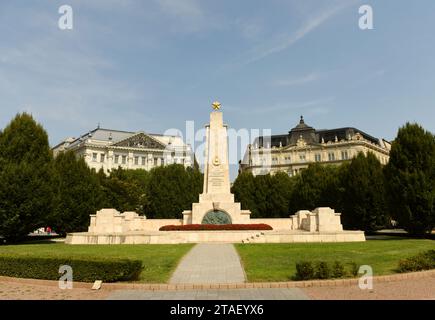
x=212, y=227
x=309, y=270
x=83, y=270
x=422, y=261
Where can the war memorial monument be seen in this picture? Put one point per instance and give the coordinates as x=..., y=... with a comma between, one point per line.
x=216, y=206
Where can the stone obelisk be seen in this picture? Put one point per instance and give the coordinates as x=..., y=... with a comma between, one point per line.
x=216, y=168
x=216, y=198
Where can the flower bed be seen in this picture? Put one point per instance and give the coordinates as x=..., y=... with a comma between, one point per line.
x=213, y=227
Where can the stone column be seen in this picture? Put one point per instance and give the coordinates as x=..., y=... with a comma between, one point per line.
x=109, y=160
x=130, y=160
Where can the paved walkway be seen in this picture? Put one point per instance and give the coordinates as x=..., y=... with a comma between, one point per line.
x=22, y=291
x=217, y=294
x=407, y=289
x=210, y=263
x=418, y=288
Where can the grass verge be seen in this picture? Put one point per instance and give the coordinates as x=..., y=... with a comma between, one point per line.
x=159, y=261
x=277, y=262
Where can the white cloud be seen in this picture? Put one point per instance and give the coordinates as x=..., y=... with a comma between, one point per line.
x=64, y=84
x=184, y=15
x=250, y=29
x=297, y=81
x=283, y=42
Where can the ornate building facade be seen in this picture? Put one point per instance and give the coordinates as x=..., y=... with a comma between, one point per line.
x=109, y=149
x=304, y=145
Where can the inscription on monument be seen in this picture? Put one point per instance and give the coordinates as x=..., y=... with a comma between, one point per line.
x=216, y=182
x=216, y=173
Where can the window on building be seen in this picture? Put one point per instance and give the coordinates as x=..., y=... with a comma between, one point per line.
x=302, y=157
x=331, y=156
x=155, y=161
x=344, y=155
x=124, y=159
x=136, y=160
x=288, y=159
x=318, y=157
x=143, y=161
x=102, y=157
x=94, y=157
x=116, y=158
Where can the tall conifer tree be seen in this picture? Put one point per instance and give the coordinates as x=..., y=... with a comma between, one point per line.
x=410, y=176
x=25, y=186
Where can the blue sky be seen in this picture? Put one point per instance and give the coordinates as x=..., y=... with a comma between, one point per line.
x=151, y=65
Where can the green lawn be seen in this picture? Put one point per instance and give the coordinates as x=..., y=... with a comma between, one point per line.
x=159, y=260
x=276, y=262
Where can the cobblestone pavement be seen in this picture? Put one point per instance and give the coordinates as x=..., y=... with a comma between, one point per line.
x=409, y=289
x=210, y=263
x=20, y=291
x=422, y=288
x=411, y=286
x=217, y=294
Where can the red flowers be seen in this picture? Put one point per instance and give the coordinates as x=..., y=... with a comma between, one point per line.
x=212, y=227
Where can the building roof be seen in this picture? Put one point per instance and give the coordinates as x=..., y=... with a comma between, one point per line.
x=313, y=136
x=101, y=135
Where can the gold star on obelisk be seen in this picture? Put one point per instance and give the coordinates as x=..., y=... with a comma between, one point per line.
x=216, y=105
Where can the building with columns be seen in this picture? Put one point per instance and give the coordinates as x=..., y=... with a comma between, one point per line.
x=109, y=149
x=303, y=145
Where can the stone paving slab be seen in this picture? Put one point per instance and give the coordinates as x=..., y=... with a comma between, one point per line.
x=210, y=263
x=230, y=294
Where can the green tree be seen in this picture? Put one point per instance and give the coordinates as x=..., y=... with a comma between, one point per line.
x=263, y=186
x=316, y=186
x=124, y=190
x=266, y=196
x=363, y=196
x=77, y=194
x=280, y=192
x=244, y=192
x=172, y=189
x=410, y=176
x=25, y=186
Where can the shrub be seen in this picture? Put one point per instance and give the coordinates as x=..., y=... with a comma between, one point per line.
x=83, y=270
x=309, y=270
x=354, y=268
x=422, y=261
x=322, y=270
x=304, y=270
x=215, y=227
x=337, y=269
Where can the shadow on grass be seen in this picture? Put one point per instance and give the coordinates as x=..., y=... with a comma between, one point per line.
x=396, y=236
x=31, y=240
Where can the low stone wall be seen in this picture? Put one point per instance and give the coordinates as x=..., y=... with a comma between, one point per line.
x=108, y=226
x=276, y=224
x=234, y=236
x=112, y=221
x=161, y=237
x=155, y=224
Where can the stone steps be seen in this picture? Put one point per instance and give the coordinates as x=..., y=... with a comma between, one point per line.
x=256, y=238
